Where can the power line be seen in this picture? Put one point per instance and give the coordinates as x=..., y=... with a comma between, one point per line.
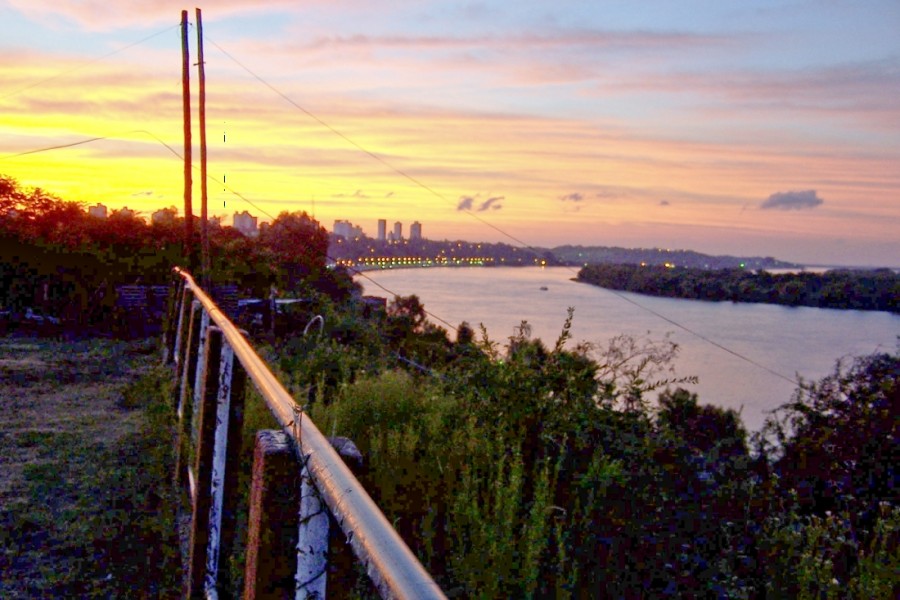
x=214, y=180
x=378, y=158
x=365, y=150
x=470, y=213
x=86, y=64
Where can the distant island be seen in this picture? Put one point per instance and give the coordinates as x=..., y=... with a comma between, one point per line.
x=876, y=289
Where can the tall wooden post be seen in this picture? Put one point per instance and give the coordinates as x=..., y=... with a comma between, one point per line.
x=186, y=105
x=204, y=223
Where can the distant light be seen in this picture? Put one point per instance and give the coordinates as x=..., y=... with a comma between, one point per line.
x=742, y=265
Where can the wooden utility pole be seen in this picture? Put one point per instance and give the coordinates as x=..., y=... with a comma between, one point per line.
x=204, y=223
x=186, y=103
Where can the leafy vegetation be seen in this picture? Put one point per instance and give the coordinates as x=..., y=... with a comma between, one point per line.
x=877, y=289
x=527, y=471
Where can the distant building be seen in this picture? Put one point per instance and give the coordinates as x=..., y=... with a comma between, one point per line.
x=98, y=211
x=165, y=216
x=124, y=213
x=415, y=231
x=245, y=223
x=347, y=230
x=398, y=231
x=382, y=230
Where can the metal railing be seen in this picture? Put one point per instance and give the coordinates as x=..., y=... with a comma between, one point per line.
x=203, y=344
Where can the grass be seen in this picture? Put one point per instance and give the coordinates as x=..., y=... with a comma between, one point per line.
x=85, y=458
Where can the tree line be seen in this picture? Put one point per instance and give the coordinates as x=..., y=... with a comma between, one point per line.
x=876, y=289
x=53, y=253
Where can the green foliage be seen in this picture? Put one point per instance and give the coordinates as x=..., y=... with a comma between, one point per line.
x=527, y=471
x=877, y=289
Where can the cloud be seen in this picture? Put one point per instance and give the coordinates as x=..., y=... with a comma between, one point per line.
x=468, y=203
x=465, y=203
x=573, y=197
x=356, y=194
x=792, y=200
x=491, y=203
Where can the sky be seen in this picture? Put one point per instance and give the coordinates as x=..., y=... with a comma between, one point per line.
x=766, y=128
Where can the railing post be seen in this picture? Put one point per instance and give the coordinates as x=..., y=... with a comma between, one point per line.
x=188, y=369
x=272, y=531
x=170, y=333
x=230, y=491
x=184, y=306
x=206, y=418
x=312, y=541
x=342, y=574
x=228, y=426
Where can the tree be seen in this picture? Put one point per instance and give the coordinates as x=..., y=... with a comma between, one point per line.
x=299, y=245
x=839, y=437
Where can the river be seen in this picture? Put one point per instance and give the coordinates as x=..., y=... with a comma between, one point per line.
x=748, y=360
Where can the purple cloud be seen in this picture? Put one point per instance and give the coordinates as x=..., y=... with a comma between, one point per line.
x=792, y=200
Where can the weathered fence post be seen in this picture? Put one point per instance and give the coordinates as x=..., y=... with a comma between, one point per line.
x=178, y=356
x=312, y=540
x=171, y=324
x=230, y=491
x=272, y=531
x=206, y=418
x=188, y=372
x=343, y=578
x=226, y=441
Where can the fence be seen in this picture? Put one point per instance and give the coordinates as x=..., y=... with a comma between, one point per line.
x=299, y=477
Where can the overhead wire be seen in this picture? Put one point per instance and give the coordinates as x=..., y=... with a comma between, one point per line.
x=217, y=181
x=87, y=63
x=437, y=194
x=374, y=156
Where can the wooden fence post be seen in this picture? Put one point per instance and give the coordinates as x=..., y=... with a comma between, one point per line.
x=173, y=314
x=230, y=491
x=272, y=532
x=206, y=419
x=225, y=460
x=188, y=371
x=312, y=541
x=343, y=578
x=184, y=306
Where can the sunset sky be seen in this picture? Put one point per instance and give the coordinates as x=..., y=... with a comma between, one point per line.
x=751, y=128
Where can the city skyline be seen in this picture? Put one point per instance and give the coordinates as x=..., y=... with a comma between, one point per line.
x=770, y=129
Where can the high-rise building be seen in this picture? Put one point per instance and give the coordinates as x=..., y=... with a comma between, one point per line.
x=382, y=230
x=347, y=230
x=245, y=223
x=98, y=211
x=398, y=231
x=415, y=231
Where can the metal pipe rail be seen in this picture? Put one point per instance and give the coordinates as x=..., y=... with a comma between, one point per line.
x=393, y=568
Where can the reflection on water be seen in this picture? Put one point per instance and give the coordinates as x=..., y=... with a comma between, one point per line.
x=791, y=342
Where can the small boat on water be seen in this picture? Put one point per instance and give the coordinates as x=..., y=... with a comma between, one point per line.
x=544, y=288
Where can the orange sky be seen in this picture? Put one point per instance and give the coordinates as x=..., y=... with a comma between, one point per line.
x=596, y=128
